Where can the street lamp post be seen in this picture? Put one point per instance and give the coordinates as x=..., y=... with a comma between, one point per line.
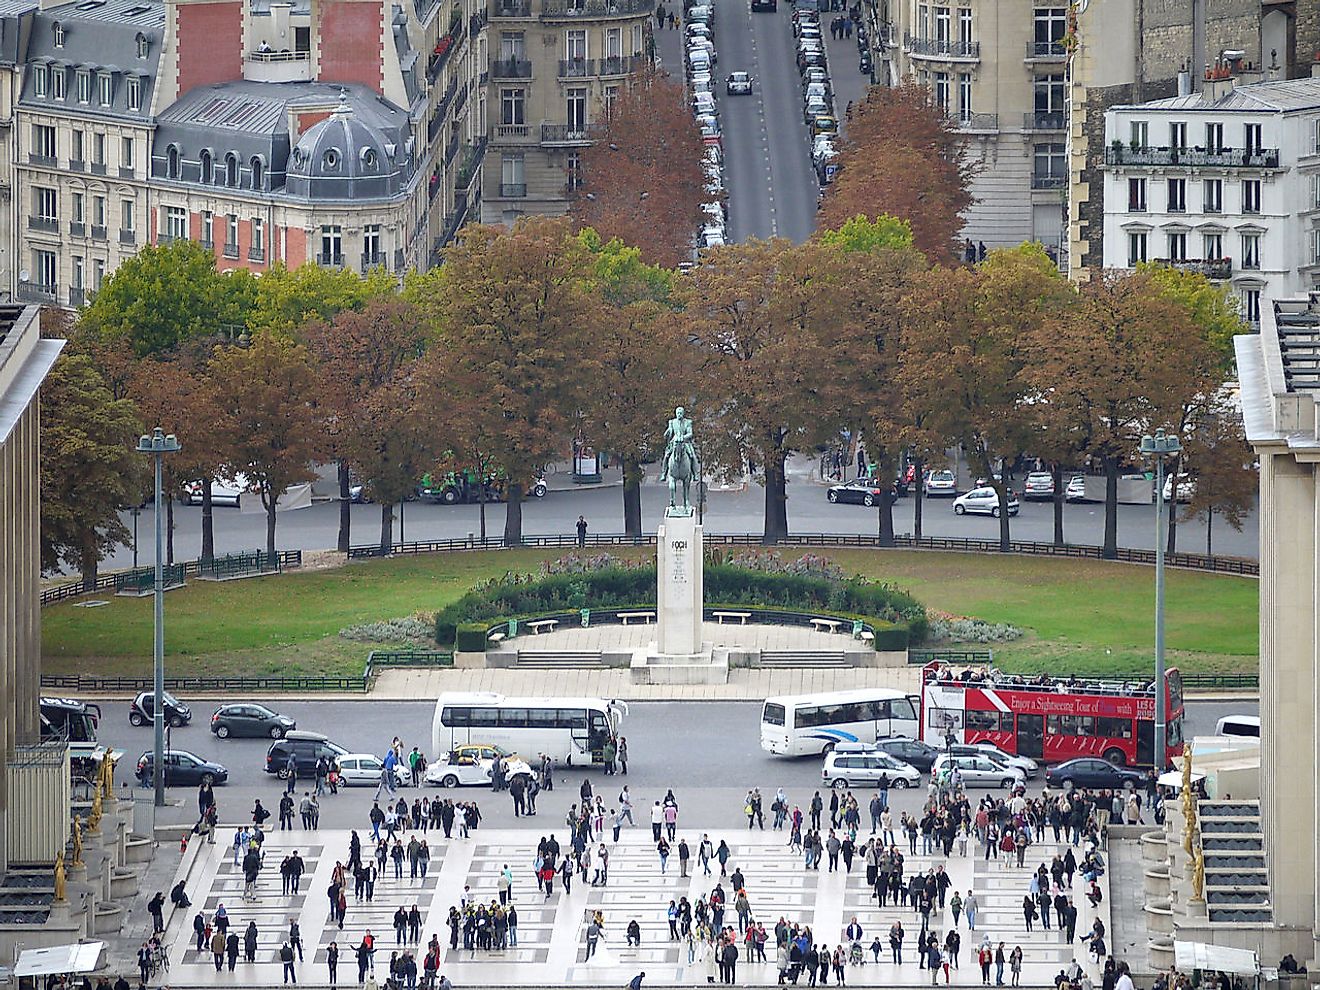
x=158, y=445
x=1160, y=446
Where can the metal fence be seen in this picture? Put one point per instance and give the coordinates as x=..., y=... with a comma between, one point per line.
x=1221, y=682
x=924, y=657
x=93, y=684
x=287, y=559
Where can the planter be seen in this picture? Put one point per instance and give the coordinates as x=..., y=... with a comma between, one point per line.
x=1156, y=881
x=1159, y=916
x=1155, y=847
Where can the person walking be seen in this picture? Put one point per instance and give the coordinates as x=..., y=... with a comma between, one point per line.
x=332, y=962
x=286, y=957
x=250, y=943
x=1015, y=965
x=593, y=936
x=969, y=908
x=582, y=531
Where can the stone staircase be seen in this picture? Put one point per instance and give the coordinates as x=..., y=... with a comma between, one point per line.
x=803, y=658
x=1236, y=882
x=558, y=659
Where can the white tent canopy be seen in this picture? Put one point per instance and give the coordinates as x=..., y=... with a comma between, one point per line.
x=1173, y=778
x=82, y=957
x=1188, y=956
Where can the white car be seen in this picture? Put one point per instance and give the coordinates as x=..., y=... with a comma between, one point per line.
x=703, y=104
x=698, y=29
x=815, y=107
x=224, y=491
x=738, y=84
x=712, y=236
x=864, y=769
x=1039, y=485
x=461, y=771
x=697, y=45
x=979, y=771
x=1076, y=490
x=699, y=60
x=815, y=74
x=363, y=770
x=983, y=502
x=823, y=147
x=1024, y=763
x=715, y=215
x=941, y=484
x=1186, y=487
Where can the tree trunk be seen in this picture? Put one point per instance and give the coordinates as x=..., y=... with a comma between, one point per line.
x=513, y=516
x=884, y=468
x=1209, y=518
x=89, y=568
x=208, y=523
x=345, y=508
x=1001, y=495
x=481, y=509
x=776, y=501
x=386, y=528
x=270, y=501
x=169, y=529
x=917, y=495
x=632, y=496
x=1110, y=548
x=1056, y=475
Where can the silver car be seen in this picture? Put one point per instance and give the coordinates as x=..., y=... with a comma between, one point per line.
x=979, y=771
x=864, y=769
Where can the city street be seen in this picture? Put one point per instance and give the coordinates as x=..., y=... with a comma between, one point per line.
x=708, y=753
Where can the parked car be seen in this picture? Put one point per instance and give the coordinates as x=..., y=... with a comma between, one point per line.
x=867, y=491
x=712, y=237
x=1026, y=764
x=817, y=91
x=1076, y=490
x=983, y=502
x=941, y=484
x=815, y=108
x=817, y=75
x=480, y=752
x=738, y=84
x=980, y=771
x=824, y=125
x=306, y=748
x=1039, y=485
x=1186, y=487
x=865, y=768
x=1090, y=771
x=363, y=770
x=250, y=720
x=699, y=60
x=143, y=708
x=811, y=58
x=913, y=752
x=181, y=768
x=460, y=769
x=224, y=491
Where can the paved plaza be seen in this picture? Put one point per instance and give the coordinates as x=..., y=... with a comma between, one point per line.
x=551, y=948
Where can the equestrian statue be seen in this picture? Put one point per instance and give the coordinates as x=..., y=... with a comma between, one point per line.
x=679, y=463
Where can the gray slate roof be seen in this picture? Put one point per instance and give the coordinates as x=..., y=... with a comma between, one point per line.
x=1266, y=97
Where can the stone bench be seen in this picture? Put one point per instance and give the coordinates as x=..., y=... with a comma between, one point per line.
x=868, y=637
x=646, y=617
x=742, y=617
x=541, y=625
x=497, y=637
x=827, y=625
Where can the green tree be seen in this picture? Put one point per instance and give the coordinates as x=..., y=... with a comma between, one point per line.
x=287, y=299
x=1219, y=459
x=621, y=274
x=89, y=470
x=161, y=296
x=862, y=234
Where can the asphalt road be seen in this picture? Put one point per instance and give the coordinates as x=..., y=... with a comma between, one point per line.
x=316, y=528
x=709, y=753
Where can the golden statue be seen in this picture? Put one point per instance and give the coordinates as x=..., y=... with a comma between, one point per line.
x=94, y=819
x=77, y=841
x=1188, y=800
x=106, y=776
x=1198, y=876
x=59, y=877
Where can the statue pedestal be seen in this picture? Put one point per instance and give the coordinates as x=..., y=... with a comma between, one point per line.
x=680, y=656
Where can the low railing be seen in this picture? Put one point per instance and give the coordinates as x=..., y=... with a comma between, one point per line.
x=276, y=57
x=942, y=47
x=557, y=9
x=1220, y=682
x=1046, y=49
x=245, y=686
x=977, y=122
x=622, y=65
x=964, y=657
x=1121, y=154
x=513, y=190
x=288, y=560
x=143, y=579
x=1214, y=268
x=570, y=133
x=1048, y=181
x=511, y=68
x=513, y=130
x=576, y=68
x=1044, y=120
x=512, y=8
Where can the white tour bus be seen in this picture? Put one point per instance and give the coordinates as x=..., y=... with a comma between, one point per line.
x=572, y=731
x=813, y=723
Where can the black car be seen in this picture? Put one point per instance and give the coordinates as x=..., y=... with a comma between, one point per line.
x=1090, y=771
x=250, y=720
x=912, y=751
x=143, y=708
x=182, y=767
x=306, y=748
x=867, y=491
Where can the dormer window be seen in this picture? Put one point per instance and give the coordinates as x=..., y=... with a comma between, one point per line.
x=370, y=160
x=172, y=162
x=143, y=45
x=84, y=86
x=208, y=173
x=299, y=157
x=331, y=160
x=258, y=170
x=57, y=31
x=105, y=88
x=231, y=170
x=40, y=80
x=133, y=90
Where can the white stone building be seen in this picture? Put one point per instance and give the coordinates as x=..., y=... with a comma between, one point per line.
x=1226, y=181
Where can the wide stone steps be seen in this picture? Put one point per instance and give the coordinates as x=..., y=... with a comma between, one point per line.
x=557, y=659
x=802, y=658
x=1236, y=882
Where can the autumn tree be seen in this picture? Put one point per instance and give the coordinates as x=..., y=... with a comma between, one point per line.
x=515, y=316
x=89, y=470
x=902, y=156
x=1119, y=363
x=365, y=365
x=758, y=313
x=642, y=177
x=265, y=389
x=1220, y=461
x=288, y=298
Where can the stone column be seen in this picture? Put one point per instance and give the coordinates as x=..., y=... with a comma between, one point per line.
x=679, y=592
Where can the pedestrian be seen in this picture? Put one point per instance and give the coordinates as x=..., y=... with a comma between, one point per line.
x=217, y=949
x=250, y=943
x=231, y=950
x=593, y=936
x=582, y=531
x=1015, y=965
x=969, y=908
x=683, y=855
x=155, y=908
x=622, y=756
x=286, y=957
x=332, y=962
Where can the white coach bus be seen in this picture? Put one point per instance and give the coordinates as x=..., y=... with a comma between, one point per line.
x=795, y=725
x=572, y=731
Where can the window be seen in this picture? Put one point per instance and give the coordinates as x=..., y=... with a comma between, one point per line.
x=206, y=167
x=84, y=82
x=126, y=215
x=133, y=92
x=98, y=148
x=513, y=181
x=231, y=232
x=608, y=98
x=1070, y=725
x=965, y=25
x=1251, y=195
x=172, y=162
x=637, y=39
x=43, y=140
x=1136, y=247
x=78, y=268
x=1251, y=252
x=57, y=83
x=98, y=211
x=1177, y=134
x=923, y=21
x=1177, y=245
x=1049, y=166
x=259, y=171
x=57, y=31
x=176, y=223
x=1137, y=131
x=126, y=152
x=43, y=267
x=143, y=46
x=105, y=88
x=942, y=91
x=40, y=80
x=614, y=42
x=1214, y=137
x=1177, y=195
x=332, y=245
x=76, y=152
x=965, y=96
x=990, y=721
x=1212, y=246
x=98, y=273
x=45, y=204
x=575, y=44
x=511, y=46
x=371, y=242
x=1252, y=138
x=573, y=171
x=576, y=108
x=1315, y=247
x=258, y=234
x=1136, y=195
x=943, y=23
x=208, y=229
x=513, y=106
x=231, y=168
x=1050, y=24
x=77, y=204
x=1251, y=305
x=1214, y=195
x=1048, y=93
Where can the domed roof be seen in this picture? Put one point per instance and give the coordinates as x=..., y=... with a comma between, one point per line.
x=344, y=157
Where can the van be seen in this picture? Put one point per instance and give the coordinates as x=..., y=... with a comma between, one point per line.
x=306, y=748
x=1239, y=725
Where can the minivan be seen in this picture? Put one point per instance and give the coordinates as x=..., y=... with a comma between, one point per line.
x=1239, y=725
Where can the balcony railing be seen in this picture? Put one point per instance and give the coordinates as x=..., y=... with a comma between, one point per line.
x=37, y=292
x=511, y=68
x=329, y=260
x=1044, y=120
x=1216, y=268
x=99, y=233
x=513, y=190
x=128, y=237
x=231, y=250
x=1048, y=181
x=941, y=48
x=472, y=156
x=512, y=131
x=576, y=68
x=569, y=134
x=1123, y=154
x=372, y=259
x=77, y=165
x=47, y=224
x=127, y=172
x=477, y=22
x=206, y=243
x=49, y=161
x=622, y=65
x=76, y=229
x=512, y=8
x=277, y=67
x=98, y=168
x=977, y=122
x=1046, y=49
x=77, y=295
x=587, y=9
x=256, y=254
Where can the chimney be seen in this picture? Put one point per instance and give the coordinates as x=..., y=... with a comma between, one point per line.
x=1315, y=67
x=1184, y=81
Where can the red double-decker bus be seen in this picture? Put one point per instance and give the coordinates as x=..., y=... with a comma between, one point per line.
x=1046, y=718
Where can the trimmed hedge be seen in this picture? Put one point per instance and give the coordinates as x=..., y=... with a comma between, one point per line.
x=470, y=637
x=445, y=633
x=881, y=605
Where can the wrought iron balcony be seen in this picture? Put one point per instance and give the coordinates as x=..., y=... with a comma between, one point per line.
x=511, y=68
x=513, y=190
x=48, y=225
x=1048, y=181
x=569, y=134
x=589, y=9
x=1125, y=154
x=512, y=8
x=1213, y=268
x=576, y=68
x=942, y=48
x=1044, y=120
x=1047, y=49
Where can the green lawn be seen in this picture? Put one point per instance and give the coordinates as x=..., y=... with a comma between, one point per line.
x=1083, y=616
